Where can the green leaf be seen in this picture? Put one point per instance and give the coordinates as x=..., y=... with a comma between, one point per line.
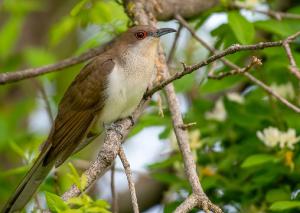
x=282, y=28
x=8, y=35
x=73, y=171
x=37, y=57
x=83, y=181
x=186, y=83
x=241, y=27
x=75, y=201
x=17, y=149
x=21, y=7
x=74, y=211
x=278, y=195
x=55, y=203
x=86, y=199
x=74, y=175
x=78, y=7
x=284, y=205
x=15, y=171
x=96, y=209
x=255, y=160
x=101, y=203
x=62, y=29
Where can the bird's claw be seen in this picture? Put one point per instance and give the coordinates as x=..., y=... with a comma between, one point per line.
x=131, y=120
x=114, y=127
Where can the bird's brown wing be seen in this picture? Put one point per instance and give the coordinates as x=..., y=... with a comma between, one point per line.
x=83, y=100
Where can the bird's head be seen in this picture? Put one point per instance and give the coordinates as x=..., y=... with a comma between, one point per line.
x=144, y=35
x=142, y=32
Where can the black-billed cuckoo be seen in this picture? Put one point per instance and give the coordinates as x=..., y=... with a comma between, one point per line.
x=107, y=89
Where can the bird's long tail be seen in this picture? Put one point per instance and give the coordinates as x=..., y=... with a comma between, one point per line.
x=29, y=185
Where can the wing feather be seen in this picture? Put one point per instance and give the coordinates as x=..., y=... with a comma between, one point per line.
x=83, y=100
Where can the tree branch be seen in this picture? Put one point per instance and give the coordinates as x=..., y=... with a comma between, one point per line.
x=165, y=10
x=114, y=195
x=10, y=77
x=174, y=44
x=236, y=48
x=181, y=133
x=187, y=205
x=112, y=141
x=254, y=61
x=108, y=152
x=45, y=98
x=271, y=13
x=293, y=66
x=128, y=173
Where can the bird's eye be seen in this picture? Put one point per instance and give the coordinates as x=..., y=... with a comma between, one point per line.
x=140, y=35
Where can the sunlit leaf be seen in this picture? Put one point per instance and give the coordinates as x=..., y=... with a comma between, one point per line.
x=285, y=205
x=241, y=27
x=83, y=181
x=74, y=175
x=55, y=203
x=9, y=33
x=37, y=57
x=282, y=28
x=278, y=195
x=255, y=160
x=78, y=7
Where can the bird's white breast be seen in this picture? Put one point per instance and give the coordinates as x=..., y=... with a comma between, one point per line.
x=126, y=85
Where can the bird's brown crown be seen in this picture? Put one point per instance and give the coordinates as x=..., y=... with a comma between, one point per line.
x=141, y=32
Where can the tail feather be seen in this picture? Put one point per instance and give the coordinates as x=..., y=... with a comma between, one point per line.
x=29, y=185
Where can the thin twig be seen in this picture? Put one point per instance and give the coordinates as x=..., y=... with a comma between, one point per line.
x=128, y=173
x=186, y=126
x=174, y=44
x=187, y=205
x=254, y=61
x=293, y=66
x=114, y=195
x=10, y=77
x=231, y=50
x=37, y=202
x=84, y=164
x=234, y=66
x=45, y=98
x=277, y=14
x=271, y=13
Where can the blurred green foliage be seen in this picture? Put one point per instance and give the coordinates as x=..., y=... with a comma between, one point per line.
x=236, y=168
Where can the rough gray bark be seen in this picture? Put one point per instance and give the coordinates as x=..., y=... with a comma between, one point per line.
x=166, y=9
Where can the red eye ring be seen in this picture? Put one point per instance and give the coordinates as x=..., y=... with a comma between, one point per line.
x=141, y=35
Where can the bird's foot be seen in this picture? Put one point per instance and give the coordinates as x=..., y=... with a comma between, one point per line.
x=131, y=120
x=114, y=127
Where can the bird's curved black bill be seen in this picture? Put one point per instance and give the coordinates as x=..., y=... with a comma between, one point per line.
x=164, y=31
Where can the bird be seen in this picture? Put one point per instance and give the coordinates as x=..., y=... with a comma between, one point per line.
x=107, y=88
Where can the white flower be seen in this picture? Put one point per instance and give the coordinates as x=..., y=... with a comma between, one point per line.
x=235, y=97
x=284, y=90
x=218, y=113
x=272, y=137
x=289, y=138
